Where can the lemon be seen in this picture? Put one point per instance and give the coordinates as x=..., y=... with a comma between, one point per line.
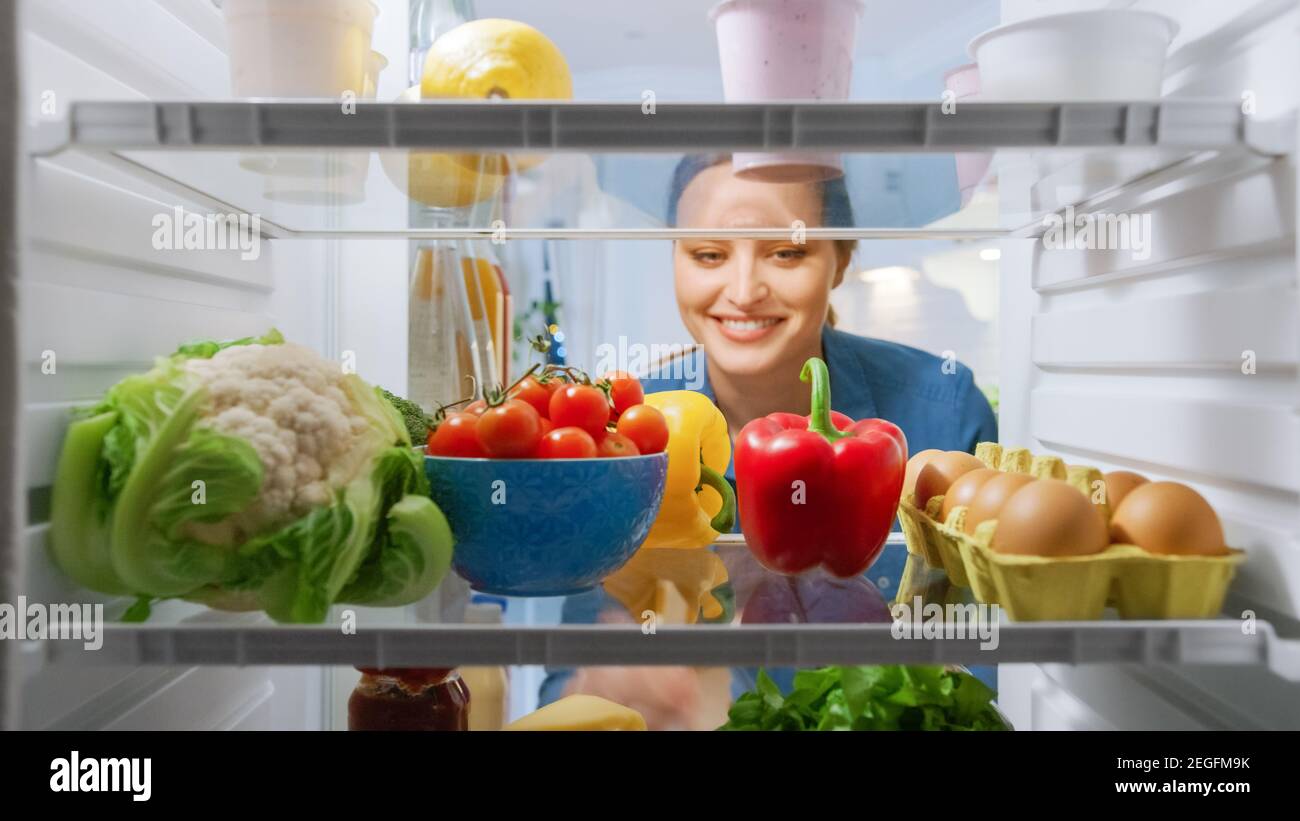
x=443, y=180
x=496, y=58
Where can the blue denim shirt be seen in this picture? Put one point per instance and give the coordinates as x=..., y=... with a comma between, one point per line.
x=934, y=401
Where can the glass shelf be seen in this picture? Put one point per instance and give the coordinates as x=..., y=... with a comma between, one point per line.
x=179, y=633
x=258, y=642
x=671, y=127
x=572, y=170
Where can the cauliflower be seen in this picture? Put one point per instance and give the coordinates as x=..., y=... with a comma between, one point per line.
x=248, y=471
x=290, y=405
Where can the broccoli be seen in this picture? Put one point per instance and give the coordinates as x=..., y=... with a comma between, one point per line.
x=413, y=416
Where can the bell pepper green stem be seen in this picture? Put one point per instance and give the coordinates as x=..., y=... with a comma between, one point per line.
x=726, y=517
x=726, y=596
x=819, y=419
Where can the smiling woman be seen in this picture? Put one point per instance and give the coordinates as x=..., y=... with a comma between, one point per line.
x=756, y=305
x=758, y=309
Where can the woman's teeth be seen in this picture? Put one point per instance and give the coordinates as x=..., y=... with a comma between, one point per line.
x=748, y=324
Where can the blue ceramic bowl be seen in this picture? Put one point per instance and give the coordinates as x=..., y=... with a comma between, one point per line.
x=545, y=527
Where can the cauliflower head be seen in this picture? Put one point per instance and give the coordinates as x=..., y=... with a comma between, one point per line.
x=247, y=471
x=291, y=406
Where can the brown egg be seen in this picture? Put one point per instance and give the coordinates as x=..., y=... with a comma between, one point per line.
x=914, y=465
x=1118, y=485
x=940, y=472
x=1050, y=517
x=1168, y=518
x=992, y=495
x=964, y=489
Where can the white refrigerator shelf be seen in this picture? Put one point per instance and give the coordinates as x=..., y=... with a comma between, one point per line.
x=1174, y=642
x=672, y=127
x=308, y=169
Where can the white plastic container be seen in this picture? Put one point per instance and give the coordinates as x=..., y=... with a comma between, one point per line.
x=335, y=178
x=1106, y=54
x=786, y=50
x=298, y=48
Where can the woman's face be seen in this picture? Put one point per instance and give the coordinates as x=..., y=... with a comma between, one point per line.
x=752, y=304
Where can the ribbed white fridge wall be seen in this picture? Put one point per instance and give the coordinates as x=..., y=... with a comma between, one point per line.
x=98, y=301
x=1180, y=366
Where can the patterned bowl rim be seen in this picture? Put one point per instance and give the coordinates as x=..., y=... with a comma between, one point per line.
x=482, y=459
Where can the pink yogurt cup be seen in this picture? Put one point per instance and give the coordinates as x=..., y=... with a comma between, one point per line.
x=786, y=50
x=964, y=83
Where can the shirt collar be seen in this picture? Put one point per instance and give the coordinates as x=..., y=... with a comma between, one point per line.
x=850, y=386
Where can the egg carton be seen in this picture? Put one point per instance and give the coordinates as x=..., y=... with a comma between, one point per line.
x=1140, y=585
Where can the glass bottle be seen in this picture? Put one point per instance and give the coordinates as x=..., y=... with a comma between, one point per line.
x=491, y=707
x=429, y=19
x=450, y=351
x=409, y=699
x=442, y=366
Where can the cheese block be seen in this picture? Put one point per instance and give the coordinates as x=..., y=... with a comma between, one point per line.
x=580, y=712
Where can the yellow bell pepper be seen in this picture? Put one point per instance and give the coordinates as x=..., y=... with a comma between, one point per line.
x=675, y=584
x=698, y=502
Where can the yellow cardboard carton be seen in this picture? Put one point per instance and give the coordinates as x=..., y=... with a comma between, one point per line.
x=1140, y=585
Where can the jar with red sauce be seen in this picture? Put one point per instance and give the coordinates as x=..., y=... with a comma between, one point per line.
x=409, y=698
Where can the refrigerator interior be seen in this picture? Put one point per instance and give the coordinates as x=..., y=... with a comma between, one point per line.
x=1097, y=357
x=1143, y=365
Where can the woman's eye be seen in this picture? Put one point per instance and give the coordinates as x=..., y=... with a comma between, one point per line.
x=789, y=254
x=707, y=257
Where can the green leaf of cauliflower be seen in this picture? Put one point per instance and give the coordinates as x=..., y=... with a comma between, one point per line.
x=251, y=473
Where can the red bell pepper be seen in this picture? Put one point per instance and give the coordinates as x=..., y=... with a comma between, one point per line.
x=821, y=489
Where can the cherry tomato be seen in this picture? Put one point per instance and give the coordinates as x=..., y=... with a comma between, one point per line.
x=580, y=406
x=567, y=443
x=615, y=445
x=534, y=393
x=547, y=427
x=456, y=436
x=476, y=407
x=646, y=427
x=510, y=430
x=624, y=391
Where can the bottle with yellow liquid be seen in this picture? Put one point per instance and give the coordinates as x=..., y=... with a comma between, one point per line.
x=489, y=708
x=490, y=305
x=439, y=364
x=460, y=310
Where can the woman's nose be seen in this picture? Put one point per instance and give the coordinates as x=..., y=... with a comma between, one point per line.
x=747, y=286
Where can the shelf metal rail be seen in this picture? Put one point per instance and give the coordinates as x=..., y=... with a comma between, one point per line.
x=1194, y=131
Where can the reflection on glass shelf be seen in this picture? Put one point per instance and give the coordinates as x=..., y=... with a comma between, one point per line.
x=367, y=193
x=1217, y=641
x=542, y=631
x=393, y=193
x=474, y=167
